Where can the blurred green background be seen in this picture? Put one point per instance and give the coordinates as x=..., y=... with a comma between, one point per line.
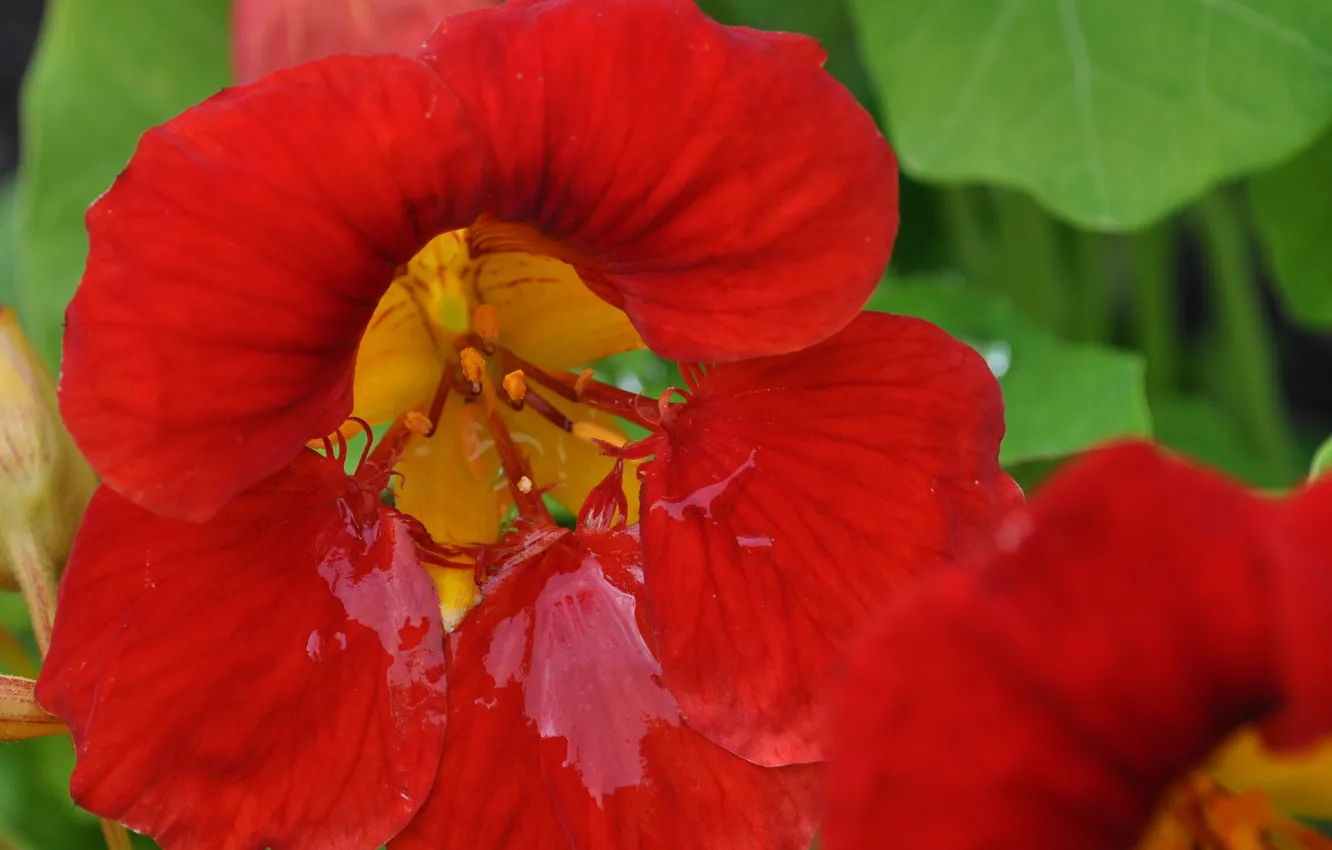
x=1124, y=205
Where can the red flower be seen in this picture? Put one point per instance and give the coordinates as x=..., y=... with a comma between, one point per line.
x=1123, y=627
x=441, y=239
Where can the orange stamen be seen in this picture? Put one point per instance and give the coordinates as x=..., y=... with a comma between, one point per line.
x=515, y=466
x=548, y=411
x=485, y=322
x=586, y=389
x=418, y=423
x=581, y=383
x=473, y=367
x=516, y=386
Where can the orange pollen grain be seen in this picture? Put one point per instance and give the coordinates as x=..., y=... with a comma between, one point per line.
x=485, y=322
x=584, y=378
x=515, y=384
x=417, y=423
x=473, y=364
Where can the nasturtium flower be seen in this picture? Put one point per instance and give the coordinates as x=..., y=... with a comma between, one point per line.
x=1070, y=688
x=270, y=34
x=253, y=649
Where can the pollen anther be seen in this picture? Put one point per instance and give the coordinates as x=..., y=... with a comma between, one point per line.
x=515, y=384
x=473, y=367
x=485, y=322
x=584, y=378
x=418, y=423
x=524, y=485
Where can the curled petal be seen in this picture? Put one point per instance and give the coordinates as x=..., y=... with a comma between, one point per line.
x=235, y=263
x=556, y=712
x=714, y=182
x=273, y=677
x=1123, y=627
x=791, y=496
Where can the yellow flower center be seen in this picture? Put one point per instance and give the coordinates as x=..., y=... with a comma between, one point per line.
x=1241, y=801
x=453, y=355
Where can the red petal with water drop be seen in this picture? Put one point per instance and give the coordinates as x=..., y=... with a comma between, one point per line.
x=717, y=183
x=273, y=677
x=235, y=263
x=791, y=497
x=1139, y=612
x=272, y=34
x=561, y=735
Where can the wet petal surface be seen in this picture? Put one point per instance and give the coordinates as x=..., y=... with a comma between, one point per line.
x=272, y=677
x=792, y=496
x=556, y=710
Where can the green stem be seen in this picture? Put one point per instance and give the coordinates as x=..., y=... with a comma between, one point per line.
x=1032, y=267
x=1252, y=376
x=1095, y=304
x=967, y=232
x=1155, y=306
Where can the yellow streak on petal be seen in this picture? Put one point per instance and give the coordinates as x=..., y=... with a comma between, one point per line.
x=589, y=430
x=547, y=315
x=440, y=268
x=449, y=479
x=400, y=359
x=559, y=457
x=458, y=593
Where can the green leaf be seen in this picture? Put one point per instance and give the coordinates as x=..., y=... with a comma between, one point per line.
x=1322, y=461
x=1111, y=112
x=8, y=243
x=1204, y=431
x=105, y=71
x=1292, y=208
x=1059, y=398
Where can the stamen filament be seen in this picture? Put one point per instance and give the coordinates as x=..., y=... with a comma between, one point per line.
x=586, y=390
x=530, y=505
x=516, y=386
x=441, y=396
x=548, y=411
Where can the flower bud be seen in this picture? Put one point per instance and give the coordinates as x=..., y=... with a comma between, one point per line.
x=45, y=483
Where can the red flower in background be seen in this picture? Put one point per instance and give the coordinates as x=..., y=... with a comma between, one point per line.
x=430, y=244
x=272, y=34
x=1124, y=626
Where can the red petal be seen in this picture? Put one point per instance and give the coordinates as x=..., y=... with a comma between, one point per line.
x=561, y=736
x=272, y=34
x=726, y=191
x=273, y=677
x=235, y=263
x=1133, y=617
x=1302, y=595
x=722, y=188
x=792, y=496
